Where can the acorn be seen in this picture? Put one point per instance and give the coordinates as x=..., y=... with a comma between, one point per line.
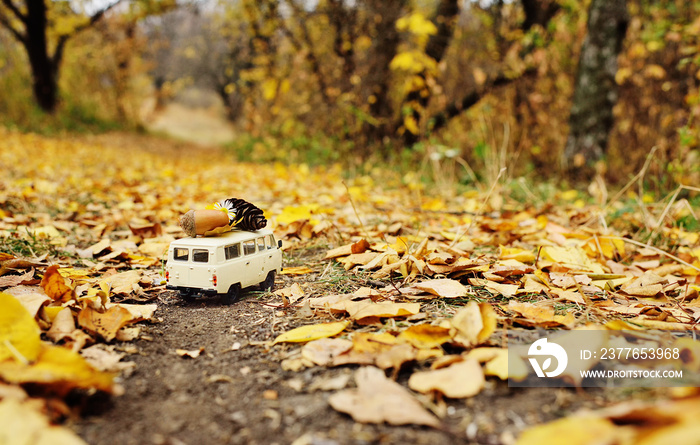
x=198, y=222
x=223, y=216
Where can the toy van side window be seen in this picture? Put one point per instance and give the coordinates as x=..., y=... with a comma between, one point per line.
x=270, y=241
x=232, y=251
x=261, y=244
x=200, y=255
x=180, y=254
x=249, y=247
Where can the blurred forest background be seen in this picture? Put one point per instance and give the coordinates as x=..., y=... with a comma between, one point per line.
x=549, y=89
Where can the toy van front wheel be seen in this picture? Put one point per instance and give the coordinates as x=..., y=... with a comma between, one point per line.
x=233, y=294
x=269, y=282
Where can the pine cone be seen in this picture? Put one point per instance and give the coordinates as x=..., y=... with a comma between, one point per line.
x=244, y=215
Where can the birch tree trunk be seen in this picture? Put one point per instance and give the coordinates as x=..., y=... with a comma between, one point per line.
x=595, y=92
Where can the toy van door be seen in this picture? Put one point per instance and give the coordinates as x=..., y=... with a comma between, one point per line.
x=271, y=262
x=200, y=269
x=179, y=265
x=250, y=263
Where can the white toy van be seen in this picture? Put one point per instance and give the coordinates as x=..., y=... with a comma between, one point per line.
x=223, y=264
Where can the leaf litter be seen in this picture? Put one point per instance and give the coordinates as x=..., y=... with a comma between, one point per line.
x=439, y=286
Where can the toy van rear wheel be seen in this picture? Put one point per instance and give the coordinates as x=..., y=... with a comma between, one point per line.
x=233, y=294
x=269, y=282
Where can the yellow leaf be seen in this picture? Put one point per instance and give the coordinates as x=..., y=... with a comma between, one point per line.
x=362, y=309
x=425, y=336
x=622, y=75
x=417, y=24
x=312, y=332
x=654, y=71
x=296, y=213
x=479, y=76
x=60, y=368
x=473, y=324
x=298, y=270
x=514, y=253
x=23, y=423
x=411, y=125
x=19, y=333
x=542, y=316
x=578, y=430
x=269, y=89
x=573, y=258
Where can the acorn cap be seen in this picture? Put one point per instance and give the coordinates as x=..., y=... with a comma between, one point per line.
x=187, y=224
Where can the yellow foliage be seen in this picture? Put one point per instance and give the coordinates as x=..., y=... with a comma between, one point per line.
x=416, y=24
x=19, y=333
x=312, y=332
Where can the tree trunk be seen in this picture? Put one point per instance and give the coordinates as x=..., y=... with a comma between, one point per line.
x=417, y=99
x=44, y=68
x=596, y=92
x=379, y=77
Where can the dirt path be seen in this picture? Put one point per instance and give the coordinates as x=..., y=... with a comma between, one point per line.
x=236, y=391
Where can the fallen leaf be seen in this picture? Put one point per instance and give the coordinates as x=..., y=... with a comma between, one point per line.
x=23, y=423
x=311, y=332
x=106, y=324
x=460, y=380
x=299, y=270
x=507, y=290
x=124, y=282
x=55, y=286
x=539, y=315
x=62, y=326
x=19, y=333
x=378, y=399
x=425, y=336
x=32, y=298
x=575, y=430
x=105, y=358
x=330, y=384
x=291, y=294
x=473, y=324
x=443, y=287
x=359, y=310
x=324, y=350
x=191, y=353
x=395, y=356
x=58, y=368
x=15, y=280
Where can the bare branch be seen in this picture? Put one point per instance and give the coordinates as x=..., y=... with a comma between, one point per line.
x=310, y=54
x=440, y=119
x=63, y=39
x=15, y=10
x=18, y=35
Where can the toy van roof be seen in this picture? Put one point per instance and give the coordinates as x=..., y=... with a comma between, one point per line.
x=222, y=239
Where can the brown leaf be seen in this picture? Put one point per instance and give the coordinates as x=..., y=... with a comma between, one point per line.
x=323, y=351
x=378, y=399
x=460, y=380
x=538, y=315
x=443, y=287
x=15, y=280
x=473, y=324
x=360, y=246
x=55, y=285
x=105, y=324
